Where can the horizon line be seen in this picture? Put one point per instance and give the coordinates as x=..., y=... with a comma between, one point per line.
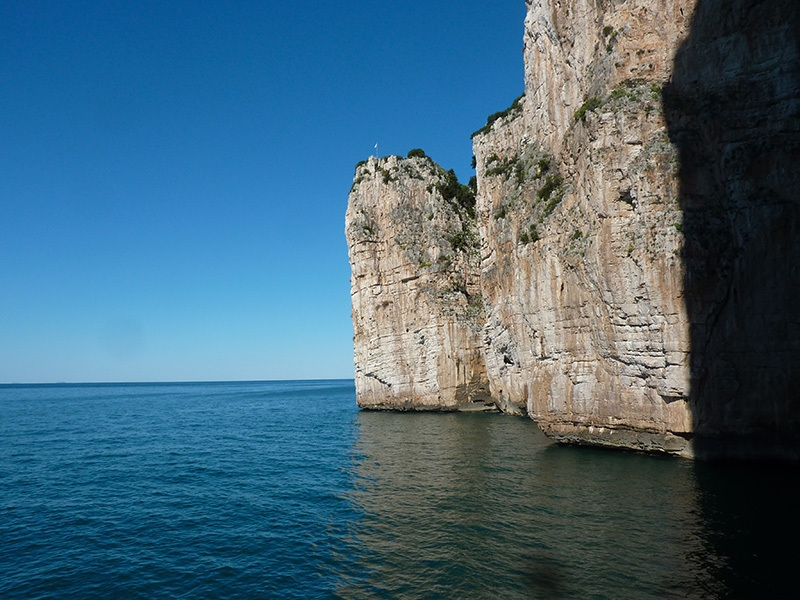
x=173, y=382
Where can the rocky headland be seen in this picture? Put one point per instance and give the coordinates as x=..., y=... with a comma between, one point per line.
x=625, y=267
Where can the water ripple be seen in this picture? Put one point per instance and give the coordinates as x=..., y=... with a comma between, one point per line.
x=286, y=490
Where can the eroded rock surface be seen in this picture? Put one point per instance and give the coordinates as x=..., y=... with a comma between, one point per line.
x=417, y=307
x=733, y=111
x=635, y=270
x=582, y=231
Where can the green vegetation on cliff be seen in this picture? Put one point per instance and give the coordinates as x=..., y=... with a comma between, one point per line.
x=453, y=191
x=515, y=108
x=629, y=93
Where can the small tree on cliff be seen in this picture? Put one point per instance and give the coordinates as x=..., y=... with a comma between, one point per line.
x=453, y=191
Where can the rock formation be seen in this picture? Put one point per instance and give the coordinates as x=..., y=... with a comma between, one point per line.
x=733, y=112
x=417, y=308
x=633, y=257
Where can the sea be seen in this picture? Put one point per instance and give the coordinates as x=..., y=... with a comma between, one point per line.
x=287, y=490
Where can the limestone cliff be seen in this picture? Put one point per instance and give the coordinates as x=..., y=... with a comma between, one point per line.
x=732, y=108
x=636, y=215
x=417, y=308
x=581, y=230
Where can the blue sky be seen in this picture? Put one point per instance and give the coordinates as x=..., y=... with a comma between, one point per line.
x=174, y=175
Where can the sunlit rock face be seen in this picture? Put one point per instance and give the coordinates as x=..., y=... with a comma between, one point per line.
x=417, y=308
x=581, y=230
x=636, y=267
x=577, y=49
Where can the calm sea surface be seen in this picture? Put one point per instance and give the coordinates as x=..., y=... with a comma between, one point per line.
x=287, y=490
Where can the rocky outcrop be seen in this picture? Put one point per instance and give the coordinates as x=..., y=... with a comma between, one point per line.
x=581, y=229
x=637, y=215
x=417, y=307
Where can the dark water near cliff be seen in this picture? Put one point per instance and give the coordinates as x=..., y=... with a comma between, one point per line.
x=286, y=490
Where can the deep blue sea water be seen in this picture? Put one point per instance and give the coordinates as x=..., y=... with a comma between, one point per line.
x=287, y=490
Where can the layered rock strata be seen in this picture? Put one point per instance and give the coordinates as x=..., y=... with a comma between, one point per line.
x=637, y=216
x=417, y=307
x=581, y=229
x=732, y=108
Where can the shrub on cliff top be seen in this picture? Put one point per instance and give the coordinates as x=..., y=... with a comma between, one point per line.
x=453, y=191
x=416, y=153
x=516, y=106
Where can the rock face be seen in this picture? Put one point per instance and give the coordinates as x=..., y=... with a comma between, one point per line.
x=733, y=112
x=636, y=217
x=417, y=308
x=586, y=324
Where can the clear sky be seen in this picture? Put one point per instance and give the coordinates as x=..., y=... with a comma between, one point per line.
x=174, y=174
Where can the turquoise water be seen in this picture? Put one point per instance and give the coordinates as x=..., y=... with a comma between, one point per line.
x=287, y=490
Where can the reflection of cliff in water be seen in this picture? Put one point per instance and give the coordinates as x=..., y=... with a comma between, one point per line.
x=483, y=506
x=733, y=110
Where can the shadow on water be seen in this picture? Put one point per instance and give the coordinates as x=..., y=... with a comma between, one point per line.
x=750, y=527
x=484, y=506
x=733, y=111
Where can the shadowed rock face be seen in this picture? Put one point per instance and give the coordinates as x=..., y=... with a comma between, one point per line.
x=633, y=269
x=733, y=112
